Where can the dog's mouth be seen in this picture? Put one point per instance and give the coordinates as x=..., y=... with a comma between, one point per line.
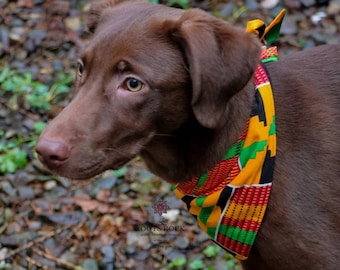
x=87, y=170
x=81, y=173
x=82, y=161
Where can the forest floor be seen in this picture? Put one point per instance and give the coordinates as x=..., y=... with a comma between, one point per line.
x=108, y=222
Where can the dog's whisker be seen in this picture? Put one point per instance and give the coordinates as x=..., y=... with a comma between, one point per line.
x=164, y=135
x=119, y=151
x=113, y=150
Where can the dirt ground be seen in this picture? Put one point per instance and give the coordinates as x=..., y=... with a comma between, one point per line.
x=111, y=221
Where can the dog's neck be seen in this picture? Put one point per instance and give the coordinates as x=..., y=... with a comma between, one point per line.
x=193, y=149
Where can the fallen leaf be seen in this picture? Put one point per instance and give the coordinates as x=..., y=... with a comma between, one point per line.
x=70, y=218
x=87, y=205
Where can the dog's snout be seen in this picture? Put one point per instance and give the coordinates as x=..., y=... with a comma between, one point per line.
x=53, y=153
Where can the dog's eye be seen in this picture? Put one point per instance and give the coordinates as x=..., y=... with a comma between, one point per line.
x=80, y=68
x=133, y=85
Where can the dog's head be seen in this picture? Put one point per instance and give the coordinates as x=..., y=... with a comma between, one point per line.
x=148, y=70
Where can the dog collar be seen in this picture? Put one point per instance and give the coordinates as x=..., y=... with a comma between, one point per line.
x=229, y=201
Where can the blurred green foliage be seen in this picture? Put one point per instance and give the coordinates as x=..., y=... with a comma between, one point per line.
x=20, y=92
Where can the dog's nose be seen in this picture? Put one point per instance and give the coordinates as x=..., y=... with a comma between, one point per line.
x=52, y=153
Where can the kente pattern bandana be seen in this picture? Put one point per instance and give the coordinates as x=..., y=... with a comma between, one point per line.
x=230, y=200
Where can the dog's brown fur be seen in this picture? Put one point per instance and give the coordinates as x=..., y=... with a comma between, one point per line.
x=197, y=75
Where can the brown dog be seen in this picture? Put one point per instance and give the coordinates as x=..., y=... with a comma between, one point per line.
x=177, y=87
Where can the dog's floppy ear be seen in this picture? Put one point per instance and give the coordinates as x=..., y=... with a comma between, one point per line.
x=97, y=9
x=221, y=60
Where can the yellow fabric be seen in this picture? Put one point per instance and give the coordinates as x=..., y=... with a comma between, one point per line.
x=259, y=28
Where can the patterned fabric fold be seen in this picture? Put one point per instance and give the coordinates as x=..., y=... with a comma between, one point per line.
x=230, y=200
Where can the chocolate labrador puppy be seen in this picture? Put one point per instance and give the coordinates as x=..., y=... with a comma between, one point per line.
x=177, y=88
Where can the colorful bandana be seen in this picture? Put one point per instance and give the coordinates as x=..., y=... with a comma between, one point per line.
x=230, y=200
